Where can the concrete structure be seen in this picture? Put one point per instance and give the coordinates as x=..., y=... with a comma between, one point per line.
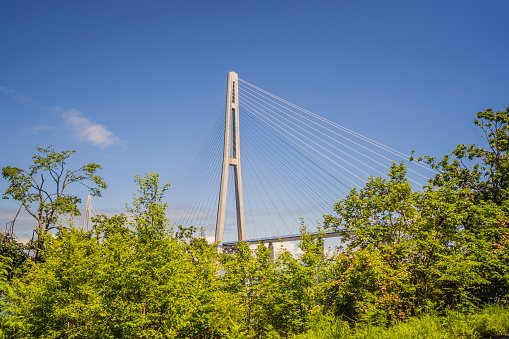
x=231, y=157
x=88, y=214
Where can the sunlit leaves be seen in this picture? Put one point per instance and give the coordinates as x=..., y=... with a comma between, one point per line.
x=42, y=188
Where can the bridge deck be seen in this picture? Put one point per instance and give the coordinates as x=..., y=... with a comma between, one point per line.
x=293, y=237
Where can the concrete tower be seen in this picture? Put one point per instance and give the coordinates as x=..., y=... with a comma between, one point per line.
x=231, y=157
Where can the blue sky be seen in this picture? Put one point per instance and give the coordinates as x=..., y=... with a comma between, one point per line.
x=143, y=75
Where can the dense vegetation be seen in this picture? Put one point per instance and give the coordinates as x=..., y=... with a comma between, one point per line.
x=428, y=263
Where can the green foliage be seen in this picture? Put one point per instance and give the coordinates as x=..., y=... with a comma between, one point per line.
x=41, y=189
x=483, y=172
x=425, y=263
x=4, y=286
x=482, y=176
x=490, y=322
x=279, y=295
x=400, y=248
x=5, y=267
x=122, y=281
x=148, y=210
x=444, y=247
x=16, y=253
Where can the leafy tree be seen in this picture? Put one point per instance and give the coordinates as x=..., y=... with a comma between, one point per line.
x=4, y=272
x=409, y=245
x=280, y=295
x=16, y=253
x=132, y=277
x=483, y=175
x=483, y=171
x=445, y=246
x=405, y=253
x=42, y=188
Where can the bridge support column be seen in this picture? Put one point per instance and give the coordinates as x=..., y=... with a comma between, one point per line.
x=272, y=254
x=87, y=215
x=231, y=157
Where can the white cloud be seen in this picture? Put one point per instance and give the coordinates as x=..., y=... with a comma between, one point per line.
x=6, y=90
x=20, y=98
x=88, y=131
x=41, y=128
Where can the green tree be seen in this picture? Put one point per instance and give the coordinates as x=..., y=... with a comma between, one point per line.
x=482, y=172
x=281, y=295
x=42, y=188
x=130, y=277
x=17, y=254
x=445, y=246
x=408, y=246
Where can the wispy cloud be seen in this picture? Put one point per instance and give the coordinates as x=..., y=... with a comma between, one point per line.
x=83, y=128
x=6, y=90
x=20, y=98
x=41, y=128
x=88, y=131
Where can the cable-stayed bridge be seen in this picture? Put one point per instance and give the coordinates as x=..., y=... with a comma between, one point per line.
x=268, y=165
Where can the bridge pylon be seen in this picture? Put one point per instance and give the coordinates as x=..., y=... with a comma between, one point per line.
x=87, y=216
x=231, y=157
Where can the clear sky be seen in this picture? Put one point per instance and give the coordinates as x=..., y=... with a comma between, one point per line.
x=144, y=74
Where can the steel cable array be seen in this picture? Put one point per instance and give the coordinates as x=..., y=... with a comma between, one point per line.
x=295, y=166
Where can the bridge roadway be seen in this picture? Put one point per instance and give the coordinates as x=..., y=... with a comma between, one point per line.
x=294, y=237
